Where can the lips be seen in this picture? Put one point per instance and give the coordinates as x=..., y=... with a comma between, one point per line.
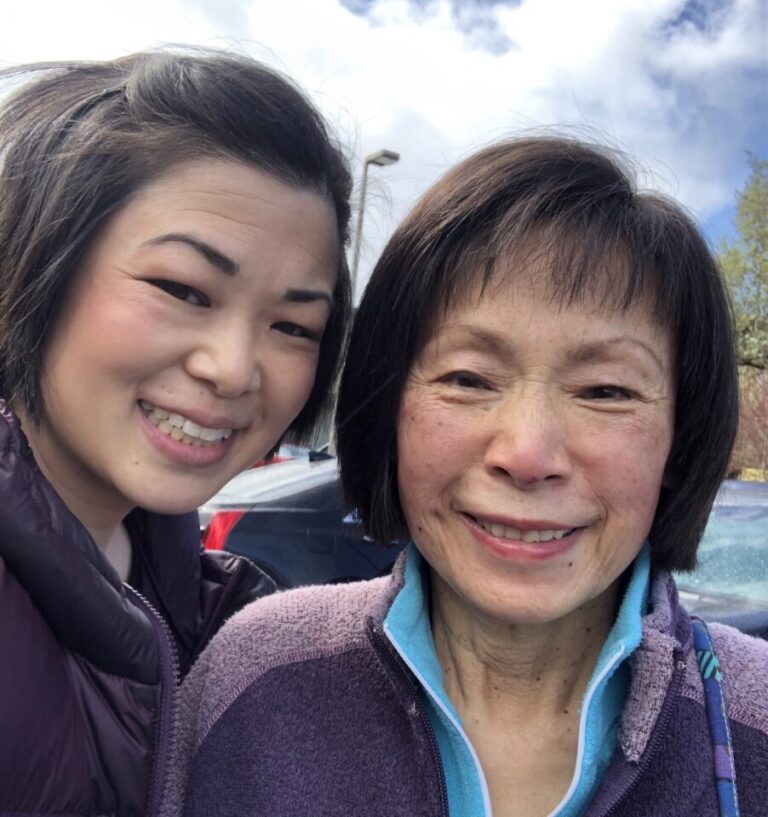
x=534, y=541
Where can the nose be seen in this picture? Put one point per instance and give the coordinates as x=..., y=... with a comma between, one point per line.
x=226, y=357
x=526, y=442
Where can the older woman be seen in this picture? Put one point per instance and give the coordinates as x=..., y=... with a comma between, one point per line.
x=173, y=295
x=541, y=394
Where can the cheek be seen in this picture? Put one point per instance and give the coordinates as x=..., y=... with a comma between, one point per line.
x=432, y=455
x=99, y=327
x=626, y=470
x=419, y=431
x=293, y=381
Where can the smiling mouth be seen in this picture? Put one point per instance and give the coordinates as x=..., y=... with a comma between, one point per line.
x=518, y=535
x=183, y=429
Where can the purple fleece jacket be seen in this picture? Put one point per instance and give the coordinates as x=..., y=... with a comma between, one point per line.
x=301, y=707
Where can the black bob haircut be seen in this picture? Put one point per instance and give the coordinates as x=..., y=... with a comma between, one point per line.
x=77, y=140
x=575, y=206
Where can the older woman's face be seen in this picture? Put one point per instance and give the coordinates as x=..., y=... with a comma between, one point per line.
x=532, y=445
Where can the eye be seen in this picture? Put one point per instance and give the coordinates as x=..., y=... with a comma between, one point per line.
x=181, y=291
x=464, y=380
x=607, y=392
x=295, y=330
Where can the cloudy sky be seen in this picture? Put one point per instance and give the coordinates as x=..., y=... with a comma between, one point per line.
x=681, y=85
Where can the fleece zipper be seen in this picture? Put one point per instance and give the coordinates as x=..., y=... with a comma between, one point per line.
x=385, y=649
x=634, y=774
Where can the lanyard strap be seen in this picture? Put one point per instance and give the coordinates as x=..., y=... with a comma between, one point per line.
x=717, y=713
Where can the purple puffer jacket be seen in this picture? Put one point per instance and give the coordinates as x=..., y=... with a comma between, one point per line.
x=88, y=667
x=300, y=706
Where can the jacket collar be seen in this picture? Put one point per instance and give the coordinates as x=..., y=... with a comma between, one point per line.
x=666, y=636
x=69, y=580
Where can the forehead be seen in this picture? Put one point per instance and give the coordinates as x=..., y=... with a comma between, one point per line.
x=245, y=214
x=232, y=188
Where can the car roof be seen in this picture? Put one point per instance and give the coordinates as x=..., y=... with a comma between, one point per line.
x=734, y=492
x=275, y=480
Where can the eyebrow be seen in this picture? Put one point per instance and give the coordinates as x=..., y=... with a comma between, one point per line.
x=213, y=256
x=602, y=349
x=483, y=339
x=307, y=296
x=586, y=353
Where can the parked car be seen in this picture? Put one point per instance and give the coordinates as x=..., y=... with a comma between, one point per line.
x=730, y=583
x=287, y=517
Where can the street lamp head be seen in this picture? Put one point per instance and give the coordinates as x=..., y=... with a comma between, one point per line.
x=382, y=158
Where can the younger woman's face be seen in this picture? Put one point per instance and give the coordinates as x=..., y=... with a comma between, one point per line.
x=189, y=341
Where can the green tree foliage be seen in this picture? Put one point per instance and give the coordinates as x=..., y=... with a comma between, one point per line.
x=745, y=264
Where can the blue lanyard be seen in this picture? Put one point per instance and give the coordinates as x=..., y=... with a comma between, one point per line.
x=717, y=714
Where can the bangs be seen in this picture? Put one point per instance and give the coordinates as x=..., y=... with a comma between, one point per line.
x=589, y=263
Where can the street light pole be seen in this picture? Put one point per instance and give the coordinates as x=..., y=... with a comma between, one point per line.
x=381, y=158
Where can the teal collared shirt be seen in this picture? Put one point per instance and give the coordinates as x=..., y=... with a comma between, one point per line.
x=408, y=627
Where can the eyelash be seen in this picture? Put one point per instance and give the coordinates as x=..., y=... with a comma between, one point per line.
x=618, y=392
x=464, y=380
x=181, y=292
x=294, y=330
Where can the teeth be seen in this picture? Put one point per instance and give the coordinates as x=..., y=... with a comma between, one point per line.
x=182, y=429
x=193, y=429
x=532, y=536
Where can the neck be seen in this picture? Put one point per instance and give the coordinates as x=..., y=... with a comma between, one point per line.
x=536, y=670
x=101, y=516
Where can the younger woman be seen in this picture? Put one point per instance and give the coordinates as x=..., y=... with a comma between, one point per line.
x=173, y=294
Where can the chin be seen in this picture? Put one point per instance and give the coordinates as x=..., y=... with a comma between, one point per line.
x=172, y=504
x=526, y=612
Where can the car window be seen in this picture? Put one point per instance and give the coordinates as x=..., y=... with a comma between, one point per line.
x=733, y=558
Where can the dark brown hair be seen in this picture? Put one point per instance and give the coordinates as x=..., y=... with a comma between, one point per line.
x=78, y=139
x=577, y=206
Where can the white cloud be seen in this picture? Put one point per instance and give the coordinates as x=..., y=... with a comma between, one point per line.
x=676, y=83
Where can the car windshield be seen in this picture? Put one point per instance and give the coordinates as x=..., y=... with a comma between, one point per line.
x=733, y=558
